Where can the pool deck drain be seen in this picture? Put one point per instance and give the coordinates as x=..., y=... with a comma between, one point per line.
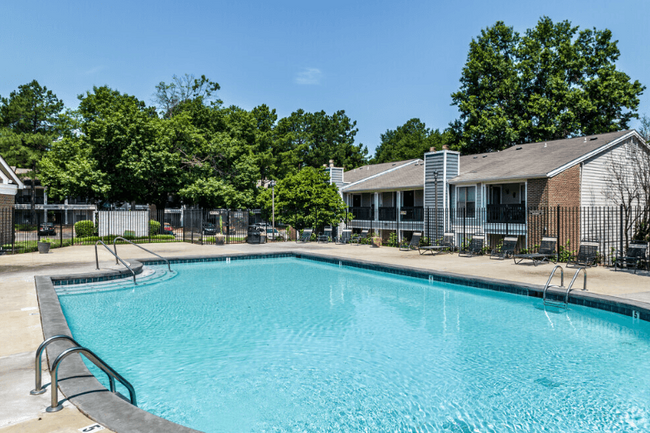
x=21, y=332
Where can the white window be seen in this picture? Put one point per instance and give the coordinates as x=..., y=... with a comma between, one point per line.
x=466, y=201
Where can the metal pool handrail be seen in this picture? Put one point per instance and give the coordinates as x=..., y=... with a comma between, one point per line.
x=139, y=246
x=116, y=257
x=37, y=361
x=112, y=375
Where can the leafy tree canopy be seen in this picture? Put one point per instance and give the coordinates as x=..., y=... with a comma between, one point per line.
x=305, y=199
x=183, y=89
x=408, y=141
x=29, y=120
x=555, y=81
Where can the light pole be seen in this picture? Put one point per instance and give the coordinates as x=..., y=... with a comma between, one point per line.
x=273, y=208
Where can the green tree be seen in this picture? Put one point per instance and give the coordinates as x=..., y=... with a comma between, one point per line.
x=554, y=82
x=408, y=141
x=183, y=89
x=305, y=199
x=29, y=120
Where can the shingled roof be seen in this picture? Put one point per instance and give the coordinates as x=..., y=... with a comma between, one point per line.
x=521, y=161
x=406, y=176
x=533, y=160
x=367, y=171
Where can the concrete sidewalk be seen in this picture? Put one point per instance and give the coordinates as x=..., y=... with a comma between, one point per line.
x=20, y=328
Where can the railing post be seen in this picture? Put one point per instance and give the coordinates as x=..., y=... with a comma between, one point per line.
x=559, y=242
x=620, y=230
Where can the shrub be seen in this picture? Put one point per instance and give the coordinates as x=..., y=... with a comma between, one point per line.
x=84, y=228
x=392, y=240
x=154, y=227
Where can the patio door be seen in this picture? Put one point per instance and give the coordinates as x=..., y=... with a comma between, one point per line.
x=495, y=195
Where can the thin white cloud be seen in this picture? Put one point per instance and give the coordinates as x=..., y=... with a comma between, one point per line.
x=94, y=70
x=309, y=77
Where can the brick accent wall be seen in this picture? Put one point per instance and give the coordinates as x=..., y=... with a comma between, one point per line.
x=537, y=193
x=564, y=189
x=547, y=194
x=7, y=201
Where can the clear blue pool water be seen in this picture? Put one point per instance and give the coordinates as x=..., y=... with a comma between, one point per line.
x=287, y=345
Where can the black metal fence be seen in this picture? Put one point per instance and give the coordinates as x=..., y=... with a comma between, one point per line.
x=612, y=227
x=21, y=230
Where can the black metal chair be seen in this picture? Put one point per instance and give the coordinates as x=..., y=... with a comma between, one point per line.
x=635, y=257
x=326, y=236
x=587, y=255
x=474, y=248
x=507, y=249
x=546, y=251
x=444, y=244
x=357, y=238
x=413, y=244
x=344, y=237
x=306, y=236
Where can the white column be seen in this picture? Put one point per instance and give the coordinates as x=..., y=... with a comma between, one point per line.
x=65, y=206
x=376, y=216
x=398, y=206
x=44, y=205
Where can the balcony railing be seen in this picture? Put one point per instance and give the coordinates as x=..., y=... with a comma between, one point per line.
x=412, y=214
x=502, y=213
x=26, y=199
x=387, y=214
x=362, y=213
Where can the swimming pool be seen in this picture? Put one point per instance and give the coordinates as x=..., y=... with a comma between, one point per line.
x=291, y=344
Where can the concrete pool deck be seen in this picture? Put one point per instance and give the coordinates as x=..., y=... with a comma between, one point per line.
x=21, y=332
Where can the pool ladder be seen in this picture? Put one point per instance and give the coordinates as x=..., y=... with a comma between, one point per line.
x=548, y=285
x=118, y=259
x=54, y=402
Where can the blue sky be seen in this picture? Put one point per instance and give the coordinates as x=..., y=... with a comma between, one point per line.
x=383, y=62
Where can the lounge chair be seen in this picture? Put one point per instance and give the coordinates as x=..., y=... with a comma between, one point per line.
x=587, y=255
x=474, y=248
x=635, y=257
x=357, y=238
x=344, y=237
x=306, y=236
x=326, y=236
x=546, y=252
x=413, y=244
x=444, y=244
x=507, y=248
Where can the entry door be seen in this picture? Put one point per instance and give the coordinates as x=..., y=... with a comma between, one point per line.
x=356, y=200
x=408, y=199
x=496, y=195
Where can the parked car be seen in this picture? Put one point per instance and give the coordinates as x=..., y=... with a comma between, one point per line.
x=168, y=229
x=209, y=229
x=274, y=234
x=46, y=229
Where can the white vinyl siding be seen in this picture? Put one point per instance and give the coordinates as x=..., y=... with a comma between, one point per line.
x=595, y=175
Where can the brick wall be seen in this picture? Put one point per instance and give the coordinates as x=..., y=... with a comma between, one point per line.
x=7, y=201
x=547, y=194
x=537, y=193
x=564, y=189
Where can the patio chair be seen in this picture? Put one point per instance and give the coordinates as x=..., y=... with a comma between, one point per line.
x=357, y=238
x=444, y=244
x=507, y=249
x=546, y=252
x=305, y=237
x=474, y=248
x=587, y=255
x=344, y=237
x=326, y=236
x=635, y=257
x=413, y=244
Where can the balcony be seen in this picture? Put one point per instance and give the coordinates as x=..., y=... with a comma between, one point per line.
x=506, y=213
x=362, y=213
x=387, y=214
x=26, y=199
x=412, y=213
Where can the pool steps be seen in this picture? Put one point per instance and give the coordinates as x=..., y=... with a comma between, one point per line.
x=565, y=303
x=55, y=406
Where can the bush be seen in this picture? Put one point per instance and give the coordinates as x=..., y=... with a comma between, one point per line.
x=154, y=227
x=84, y=228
